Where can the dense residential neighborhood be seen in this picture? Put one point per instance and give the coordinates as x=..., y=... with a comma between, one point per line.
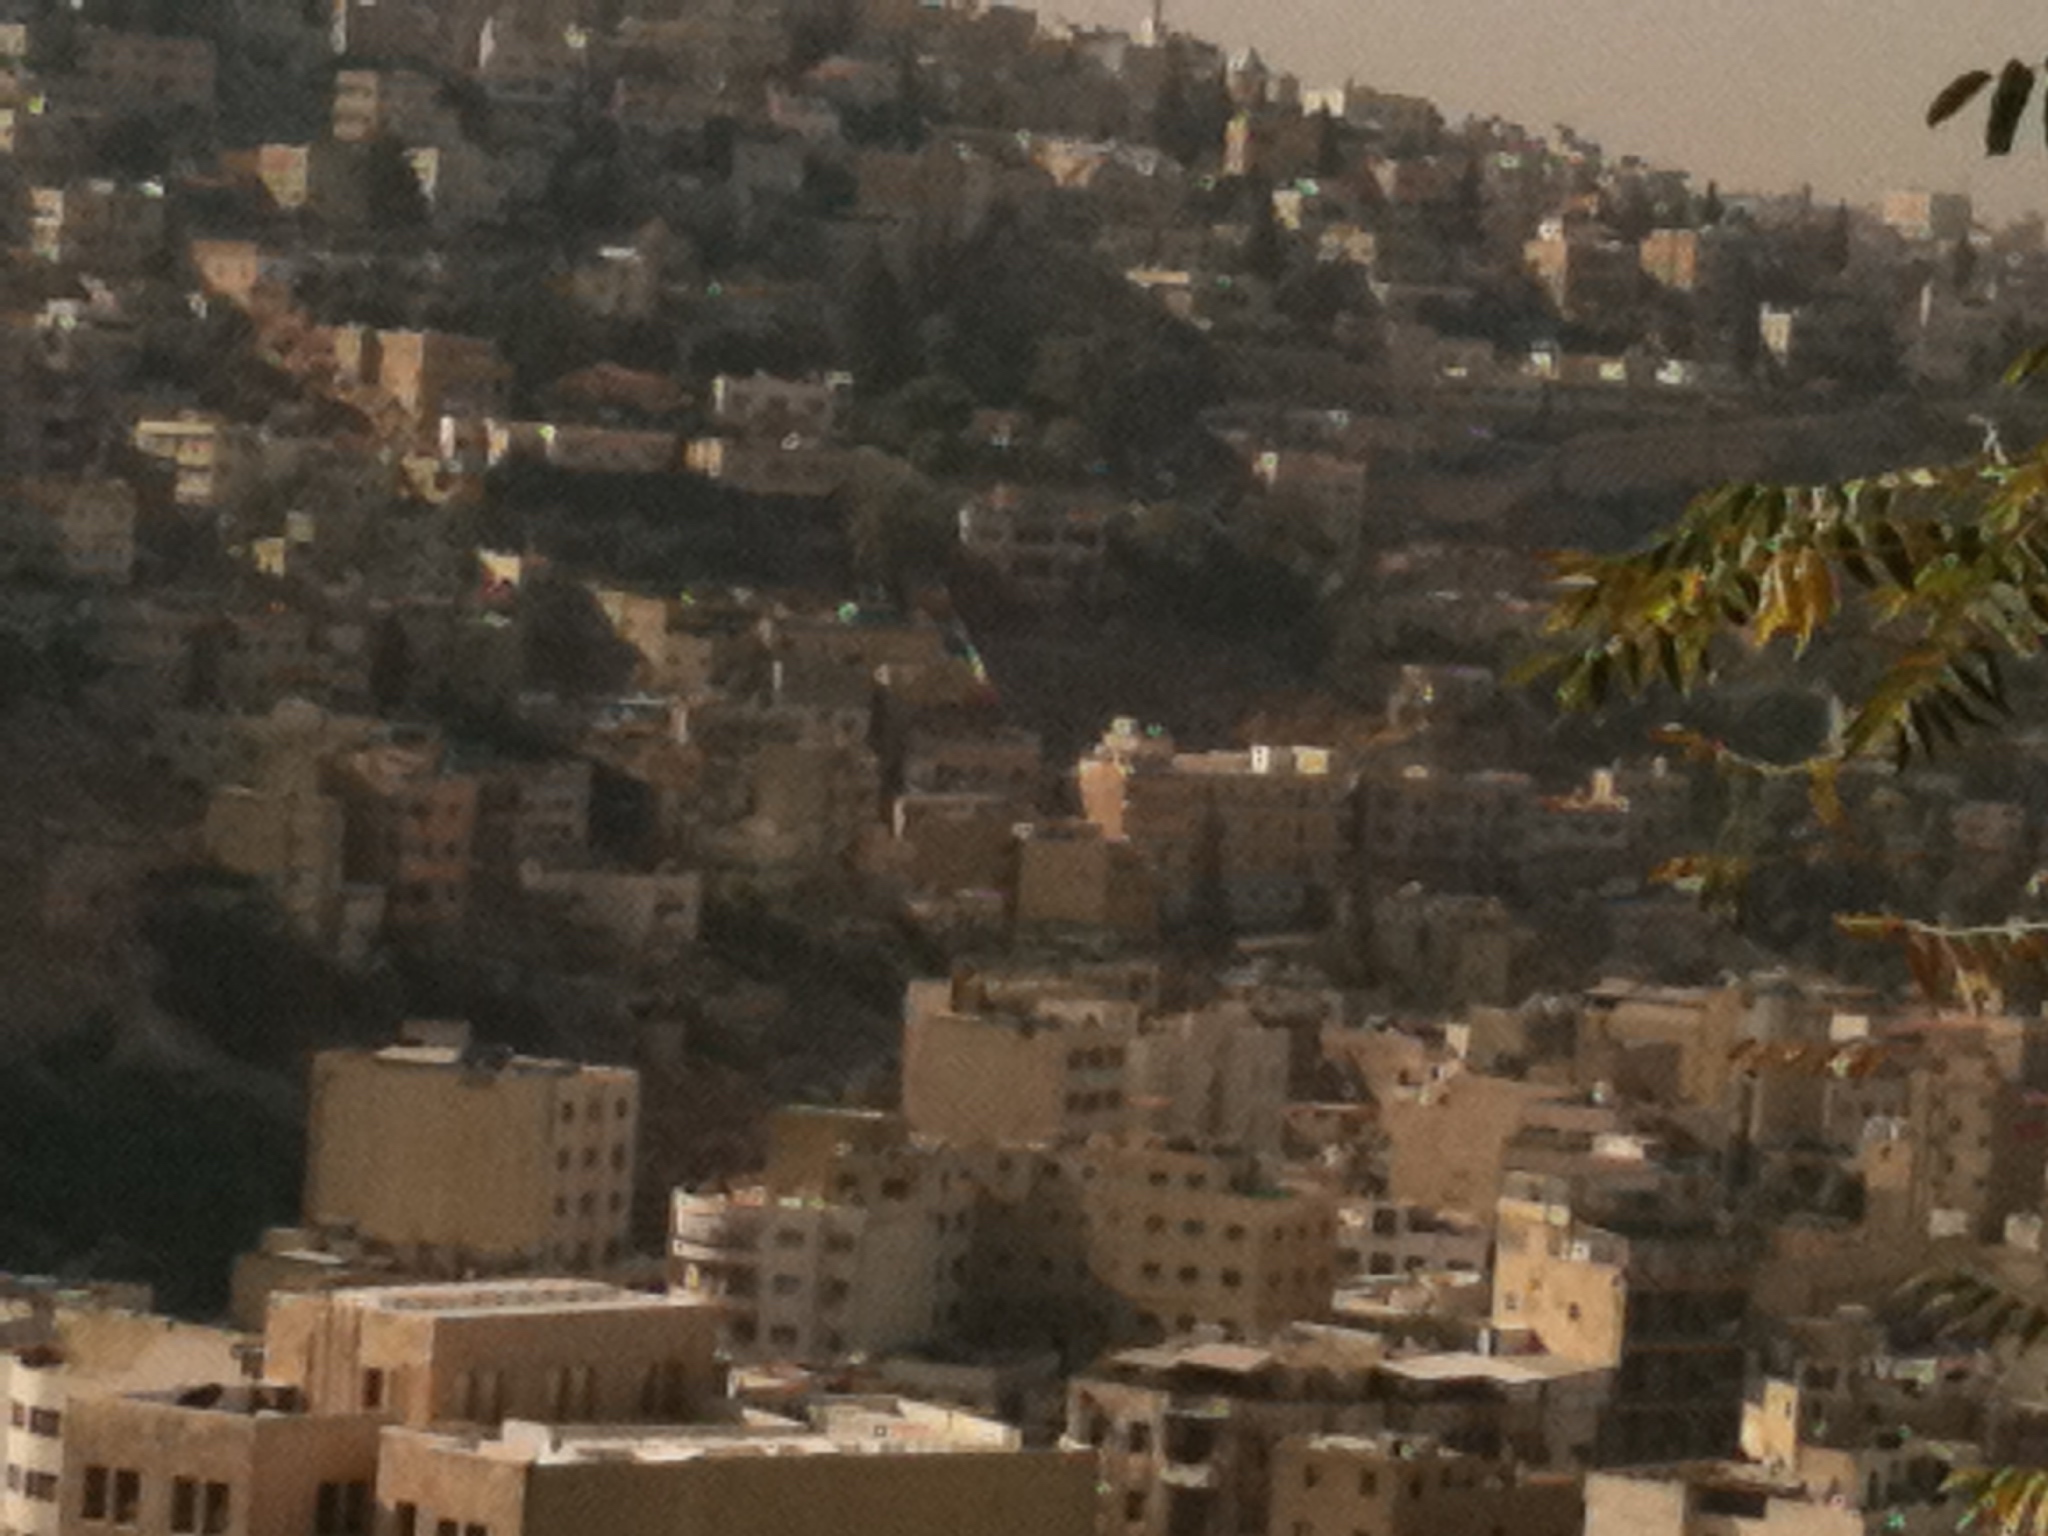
x=772, y=772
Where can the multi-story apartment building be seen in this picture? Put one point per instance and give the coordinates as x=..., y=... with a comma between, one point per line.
x=216, y=1459
x=410, y=828
x=763, y=406
x=1187, y=1432
x=128, y=67
x=1072, y=877
x=425, y=374
x=467, y=1159
x=60, y=1348
x=556, y=1351
x=1585, y=270
x=107, y=229
x=1454, y=832
x=1404, y=1485
x=1047, y=545
x=1921, y=215
x=1387, y=1238
x=538, y=810
x=399, y=104
x=1057, y=1072
x=856, y=1240
x=289, y=839
x=1142, y=1238
x=1262, y=832
x=860, y=1467
x=201, y=450
x=1659, y=1298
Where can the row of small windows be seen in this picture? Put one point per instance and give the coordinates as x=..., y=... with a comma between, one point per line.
x=587, y=1204
x=618, y=1158
x=1106, y=1056
x=201, y=1509
x=409, y=1523
x=593, y=1109
x=39, y=1486
x=46, y=1422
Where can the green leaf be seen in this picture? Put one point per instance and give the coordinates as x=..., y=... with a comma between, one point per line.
x=1956, y=95
x=2008, y=105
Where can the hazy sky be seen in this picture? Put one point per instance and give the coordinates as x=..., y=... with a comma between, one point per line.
x=1757, y=94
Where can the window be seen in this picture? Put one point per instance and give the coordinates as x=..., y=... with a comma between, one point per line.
x=621, y=1109
x=473, y=1529
x=127, y=1495
x=446, y=1528
x=342, y=1509
x=185, y=1504
x=1368, y=1483
x=786, y=1285
x=373, y=1389
x=42, y=1487
x=408, y=1520
x=93, y=1504
x=1311, y=1474
x=214, y=1517
x=17, y=1414
x=1134, y=1505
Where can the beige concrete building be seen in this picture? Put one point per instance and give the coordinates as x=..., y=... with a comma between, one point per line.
x=1455, y=832
x=763, y=406
x=201, y=450
x=1659, y=1300
x=399, y=104
x=107, y=229
x=410, y=827
x=538, y=810
x=1141, y=1239
x=130, y=67
x=1264, y=831
x=556, y=1351
x=288, y=839
x=1667, y=1045
x=1057, y=1072
x=863, y=1467
x=1071, y=877
x=1048, y=546
x=648, y=916
x=1215, y=1076
x=857, y=1240
x=217, y=1459
x=461, y=1158
x=1716, y=1498
x=64, y=1348
x=425, y=375
x=1186, y=1432
x=1334, y=1485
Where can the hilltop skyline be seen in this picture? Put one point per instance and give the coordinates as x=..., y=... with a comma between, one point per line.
x=1634, y=87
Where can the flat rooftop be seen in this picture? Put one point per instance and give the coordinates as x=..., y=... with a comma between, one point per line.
x=496, y=1298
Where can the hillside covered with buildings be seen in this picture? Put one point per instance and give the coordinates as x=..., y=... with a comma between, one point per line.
x=768, y=774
